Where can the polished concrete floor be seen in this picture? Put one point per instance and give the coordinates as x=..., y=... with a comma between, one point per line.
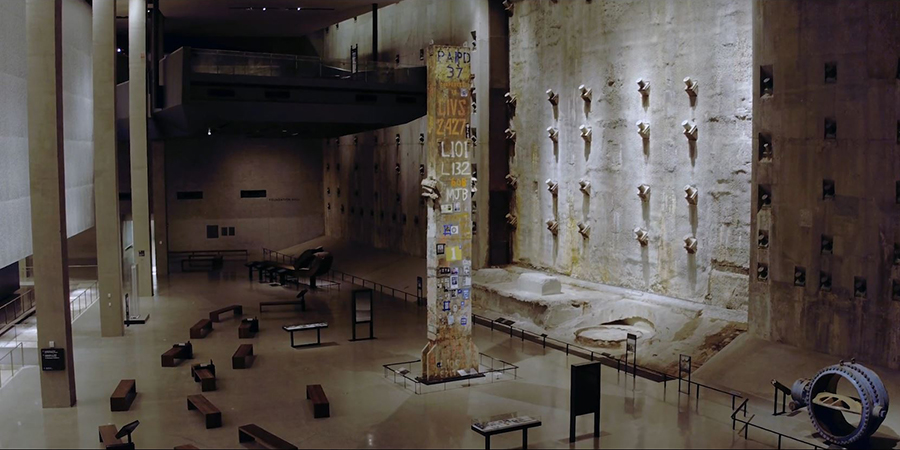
x=367, y=409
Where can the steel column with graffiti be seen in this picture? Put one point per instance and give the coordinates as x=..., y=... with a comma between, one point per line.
x=448, y=191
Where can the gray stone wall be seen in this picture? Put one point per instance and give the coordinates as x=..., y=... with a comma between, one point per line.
x=607, y=46
x=824, y=255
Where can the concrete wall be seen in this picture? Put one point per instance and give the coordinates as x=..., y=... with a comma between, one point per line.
x=288, y=169
x=607, y=46
x=403, y=29
x=15, y=203
x=796, y=40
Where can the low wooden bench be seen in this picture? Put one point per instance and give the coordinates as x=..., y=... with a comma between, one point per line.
x=321, y=407
x=202, y=328
x=301, y=302
x=122, y=398
x=110, y=441
x=178, y=351
x=248, y=329
x=253, y=432
x=243, y=357
x=238, y=311
x=205, y=374
x=210, y=412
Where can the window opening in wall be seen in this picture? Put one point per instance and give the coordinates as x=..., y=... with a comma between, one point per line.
x=766, y=81
x=859, y=287
x=898, y=68
x=897, y=189
x=765, y=147
x=212, y=231
x=830, y=128
x=827, y=189
x=762, y=271
x=189, y=195
x=762, y=239
x=825, y=281
x=895, y=290
x=224, y=231
x=830, y=72
x=231, y=231
x=827, y=244
x=260, y=193
x=799, y=276
x=764, y=196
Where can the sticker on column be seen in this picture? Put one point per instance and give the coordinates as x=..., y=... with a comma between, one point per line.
x=440, y=249
x=467, y=281
x=465, y=294
x=454, y=229
x=457, y=207
x=448, y=230
x=447, y=209
x=454, y=282
x=450, y=319
x=446, y=305
x=454, y=253
x=463, y=321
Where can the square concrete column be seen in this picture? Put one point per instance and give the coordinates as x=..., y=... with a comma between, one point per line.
x=106, y=186
x=137, y=118
x=48, y=195
x=160, y=226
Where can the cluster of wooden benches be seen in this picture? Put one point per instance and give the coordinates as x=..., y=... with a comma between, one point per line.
x=205, y=374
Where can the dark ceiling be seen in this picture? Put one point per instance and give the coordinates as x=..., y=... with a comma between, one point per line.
x=252, y=18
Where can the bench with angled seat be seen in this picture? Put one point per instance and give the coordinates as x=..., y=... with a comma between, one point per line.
x=202, y=328
x=301, y=302
x=321, y=407
x=212, y=414
x=243, y=357
x=248, y=329
x=109, y=440
x=122, y=398
x=252, y=432
x=238, y=311
x=205, y=374
x=178, y=351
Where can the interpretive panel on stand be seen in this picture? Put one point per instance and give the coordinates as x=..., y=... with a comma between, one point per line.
x=448, y=188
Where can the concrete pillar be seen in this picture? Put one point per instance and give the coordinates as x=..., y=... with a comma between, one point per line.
x=137, y=117
x=106, y=187
x=160, y=226
x=23, y=271
x=48, y=195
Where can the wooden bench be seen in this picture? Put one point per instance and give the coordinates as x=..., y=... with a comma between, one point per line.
x=210, y=412
x=253, y=432
x=205, y=374
x=301, y=302
x=321, y=407
x=243, y=357
x=238, y=311
x=201, y=329
x=178, y=351
x=110, y=441
x=248, y=329
x=122, y=398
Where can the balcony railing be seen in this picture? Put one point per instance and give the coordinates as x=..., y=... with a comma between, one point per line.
x=226, y=62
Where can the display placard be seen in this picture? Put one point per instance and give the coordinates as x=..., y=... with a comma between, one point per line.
x=584, y=395
x=53, y=359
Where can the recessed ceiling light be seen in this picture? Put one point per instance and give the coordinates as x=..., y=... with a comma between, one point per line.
x=264, y=8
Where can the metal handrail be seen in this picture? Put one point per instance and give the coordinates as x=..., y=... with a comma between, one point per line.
x=378, y=287
x=17, y=308
x=12, y=360
x=182, y=253
x=748, y=424
x=84, y=300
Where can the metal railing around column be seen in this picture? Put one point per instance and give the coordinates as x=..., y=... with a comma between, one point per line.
x=10, y=364
x=272, y=255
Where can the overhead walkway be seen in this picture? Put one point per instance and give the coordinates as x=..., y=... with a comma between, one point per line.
x=270, y=95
